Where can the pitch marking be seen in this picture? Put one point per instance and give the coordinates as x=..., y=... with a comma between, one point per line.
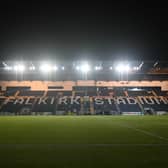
x=145, y=132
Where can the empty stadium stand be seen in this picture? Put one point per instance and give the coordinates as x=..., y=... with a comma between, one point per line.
x=82, y=100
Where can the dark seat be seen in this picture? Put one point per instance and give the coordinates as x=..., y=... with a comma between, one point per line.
x=31, y=93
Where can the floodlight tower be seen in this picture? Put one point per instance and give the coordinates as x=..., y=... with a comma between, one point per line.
x=123, y=69
x=19, y=69
x=46, y=69
x=85, y=68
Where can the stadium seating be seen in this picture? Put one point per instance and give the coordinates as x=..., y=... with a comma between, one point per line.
x=140, y=93
x=106, y=108
x=1, y=100
x=10, y=93
x=129, y=108
x=154, y=106
x=67, y=93
x=160, y=93
x=119, y=92
x=30, y=93
x=52, y=93
x=86, y=103
x=80, y=93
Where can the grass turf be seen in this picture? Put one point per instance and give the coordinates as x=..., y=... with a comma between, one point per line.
x=84, y=141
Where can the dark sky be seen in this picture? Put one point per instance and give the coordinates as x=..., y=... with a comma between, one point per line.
x=79, y=31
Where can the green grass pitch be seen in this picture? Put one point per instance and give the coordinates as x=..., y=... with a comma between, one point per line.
x=84, y=141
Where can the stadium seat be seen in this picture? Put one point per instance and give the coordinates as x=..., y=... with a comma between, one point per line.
x=31, y=93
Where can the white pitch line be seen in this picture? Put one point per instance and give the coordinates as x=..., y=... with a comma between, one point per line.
x=144, y=132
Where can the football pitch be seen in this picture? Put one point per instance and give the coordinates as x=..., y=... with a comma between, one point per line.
x=84, y=141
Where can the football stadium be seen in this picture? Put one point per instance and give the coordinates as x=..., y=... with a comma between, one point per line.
x=83, y=114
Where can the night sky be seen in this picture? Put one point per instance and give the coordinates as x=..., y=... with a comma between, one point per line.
x=83, y=31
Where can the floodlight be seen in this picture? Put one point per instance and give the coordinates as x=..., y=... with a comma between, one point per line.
x=32, y=68
x=85, y=68
x=55, y=68
x=45, y=68
x=111, y=68
x=97, y=68
x=77, y=68
x=122, y=68
x=127, y=68
x=8, y=68
x=19, y=68
x=136, y=68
